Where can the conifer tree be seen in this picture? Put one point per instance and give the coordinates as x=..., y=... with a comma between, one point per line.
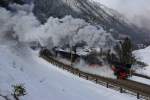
x=124, y=51
x=126, y=54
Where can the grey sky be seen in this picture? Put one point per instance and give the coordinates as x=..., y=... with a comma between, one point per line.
x=132, y=7
x=137, y=11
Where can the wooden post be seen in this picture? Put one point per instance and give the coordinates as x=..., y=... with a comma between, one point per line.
x=107, y=85
x=138, y=96
x=71, y=56
x=121, y=90
x=79, y=75
x=87, y=77
x=96, y=80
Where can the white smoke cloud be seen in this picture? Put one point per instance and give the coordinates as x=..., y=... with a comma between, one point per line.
x=19, y=23
x=71, y=31
x=23, y=26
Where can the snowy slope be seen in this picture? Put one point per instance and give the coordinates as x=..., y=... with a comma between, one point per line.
x=43, y=81
x=144, y=55
x=140, y=79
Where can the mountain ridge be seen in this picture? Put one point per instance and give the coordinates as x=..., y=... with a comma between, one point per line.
x=91, y=12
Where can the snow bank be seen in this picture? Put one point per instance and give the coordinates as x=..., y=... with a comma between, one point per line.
x=144, y=55
x=140, y=79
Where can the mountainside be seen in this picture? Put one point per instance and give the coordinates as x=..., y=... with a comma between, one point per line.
x=5, y=3
x=92, y=12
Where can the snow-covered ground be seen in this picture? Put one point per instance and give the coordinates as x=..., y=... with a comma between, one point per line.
x=144, y=56
x=43, y=81
x=140, y=79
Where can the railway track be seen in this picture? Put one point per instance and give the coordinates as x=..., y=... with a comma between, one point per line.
x=140, y=75
x=142, y=91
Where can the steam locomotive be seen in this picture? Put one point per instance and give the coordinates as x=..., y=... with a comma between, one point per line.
x=121, y=70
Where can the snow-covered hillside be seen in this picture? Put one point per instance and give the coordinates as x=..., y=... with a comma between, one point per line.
x=144, y=55
x=43, y=81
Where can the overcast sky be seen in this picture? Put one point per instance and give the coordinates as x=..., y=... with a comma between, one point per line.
x=136, y=10
x=132, y=7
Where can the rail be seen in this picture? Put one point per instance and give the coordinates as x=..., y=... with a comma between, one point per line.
x=140, y=75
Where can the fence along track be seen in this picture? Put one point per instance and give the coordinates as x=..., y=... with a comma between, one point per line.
x=124, y=86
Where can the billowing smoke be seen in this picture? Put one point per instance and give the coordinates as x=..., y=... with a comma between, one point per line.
x=21, y=25
x=137, y=11
x=17, y=24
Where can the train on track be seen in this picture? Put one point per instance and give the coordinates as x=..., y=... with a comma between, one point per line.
x=121, y=71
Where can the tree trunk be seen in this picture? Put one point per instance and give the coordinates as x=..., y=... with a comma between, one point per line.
x=16, y=97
